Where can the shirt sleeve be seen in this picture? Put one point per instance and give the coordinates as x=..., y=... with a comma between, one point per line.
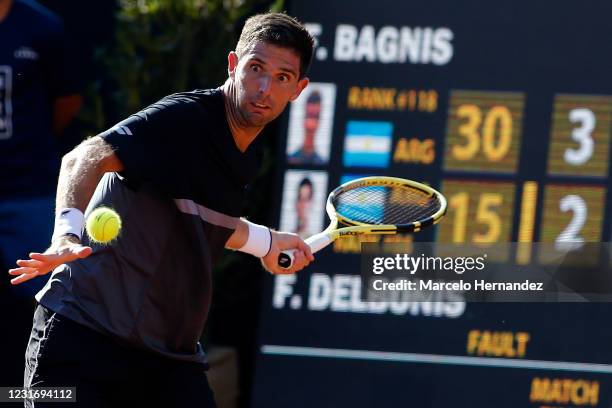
x=148, y=143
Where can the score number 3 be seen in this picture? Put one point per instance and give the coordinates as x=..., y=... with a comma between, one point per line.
x=582, y=135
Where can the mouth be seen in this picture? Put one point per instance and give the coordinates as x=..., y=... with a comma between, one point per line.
x=260, y=106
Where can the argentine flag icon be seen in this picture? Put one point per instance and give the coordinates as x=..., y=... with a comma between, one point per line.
x=367, y=144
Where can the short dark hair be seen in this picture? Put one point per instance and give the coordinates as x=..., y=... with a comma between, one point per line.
x=314, y=97
x=281, y=30
x=306, y=183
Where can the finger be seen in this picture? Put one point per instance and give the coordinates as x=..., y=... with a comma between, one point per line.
x=32, y=263
x=40, y=257
x=299, y=262
x=82, y=251
x=304, y=247
x=48, y=260
x=307, y=254
x=23, y=278
x=21, y=271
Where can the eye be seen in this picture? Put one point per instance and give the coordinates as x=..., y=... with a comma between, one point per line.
x=255, y=67
x=283, y=78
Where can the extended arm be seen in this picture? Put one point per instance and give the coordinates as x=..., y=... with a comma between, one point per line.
x=80, y=172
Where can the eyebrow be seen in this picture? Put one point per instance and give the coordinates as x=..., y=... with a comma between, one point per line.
x=288, y=70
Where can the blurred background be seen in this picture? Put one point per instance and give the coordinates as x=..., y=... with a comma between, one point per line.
x=506, y=107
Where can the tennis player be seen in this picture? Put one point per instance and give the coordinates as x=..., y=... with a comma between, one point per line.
x=121, y=322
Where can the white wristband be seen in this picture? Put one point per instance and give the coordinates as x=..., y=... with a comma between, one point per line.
x=68, y=221
x=259, y=241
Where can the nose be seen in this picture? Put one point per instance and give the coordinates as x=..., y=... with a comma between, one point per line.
x=265, y=83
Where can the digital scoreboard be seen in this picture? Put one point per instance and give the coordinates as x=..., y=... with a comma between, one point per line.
x=506, y=108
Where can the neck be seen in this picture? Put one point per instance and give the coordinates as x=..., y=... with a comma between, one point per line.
x=5, y=7
x=242, y=132
x=308, y=146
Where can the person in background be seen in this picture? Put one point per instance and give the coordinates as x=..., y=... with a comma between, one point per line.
x=39, y=97
x=88, y=37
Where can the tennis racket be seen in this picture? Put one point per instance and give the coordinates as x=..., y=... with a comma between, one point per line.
x=375, y=205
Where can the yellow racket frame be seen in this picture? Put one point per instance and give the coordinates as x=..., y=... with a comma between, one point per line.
x=332, y=232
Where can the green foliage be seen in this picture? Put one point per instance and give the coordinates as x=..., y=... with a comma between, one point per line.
x=167, y=46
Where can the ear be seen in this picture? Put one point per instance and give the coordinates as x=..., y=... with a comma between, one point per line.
x=302, y=83
x=232, y=63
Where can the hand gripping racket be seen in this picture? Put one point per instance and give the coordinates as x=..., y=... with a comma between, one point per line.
x=375, y=205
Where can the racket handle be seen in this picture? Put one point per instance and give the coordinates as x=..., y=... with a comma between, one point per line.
x=316, y=243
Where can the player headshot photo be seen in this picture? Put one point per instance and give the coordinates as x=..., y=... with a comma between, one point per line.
x=310, y=125
x=303, y=204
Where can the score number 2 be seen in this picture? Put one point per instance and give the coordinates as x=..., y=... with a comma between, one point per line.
x=572, y=215
x=569, y=238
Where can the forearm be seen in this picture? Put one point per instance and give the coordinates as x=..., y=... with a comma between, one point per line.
x=250, y=238
x=81, y=171
x=239, y=237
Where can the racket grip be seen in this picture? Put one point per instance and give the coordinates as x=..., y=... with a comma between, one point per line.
x=316, y=243
x=285, y=258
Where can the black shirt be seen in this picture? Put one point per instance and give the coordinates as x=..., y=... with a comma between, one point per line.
x=179, y=197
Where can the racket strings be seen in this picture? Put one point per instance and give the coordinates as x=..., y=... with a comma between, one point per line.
x=379, y=205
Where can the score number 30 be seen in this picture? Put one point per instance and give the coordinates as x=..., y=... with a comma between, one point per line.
x=478, y=131
x=484, y=131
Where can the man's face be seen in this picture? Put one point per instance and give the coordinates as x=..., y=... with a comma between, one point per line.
x=311, y=123
x=304, y=200
x=266, y=78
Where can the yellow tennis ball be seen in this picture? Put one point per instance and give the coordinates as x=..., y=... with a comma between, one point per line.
x=103, y=225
